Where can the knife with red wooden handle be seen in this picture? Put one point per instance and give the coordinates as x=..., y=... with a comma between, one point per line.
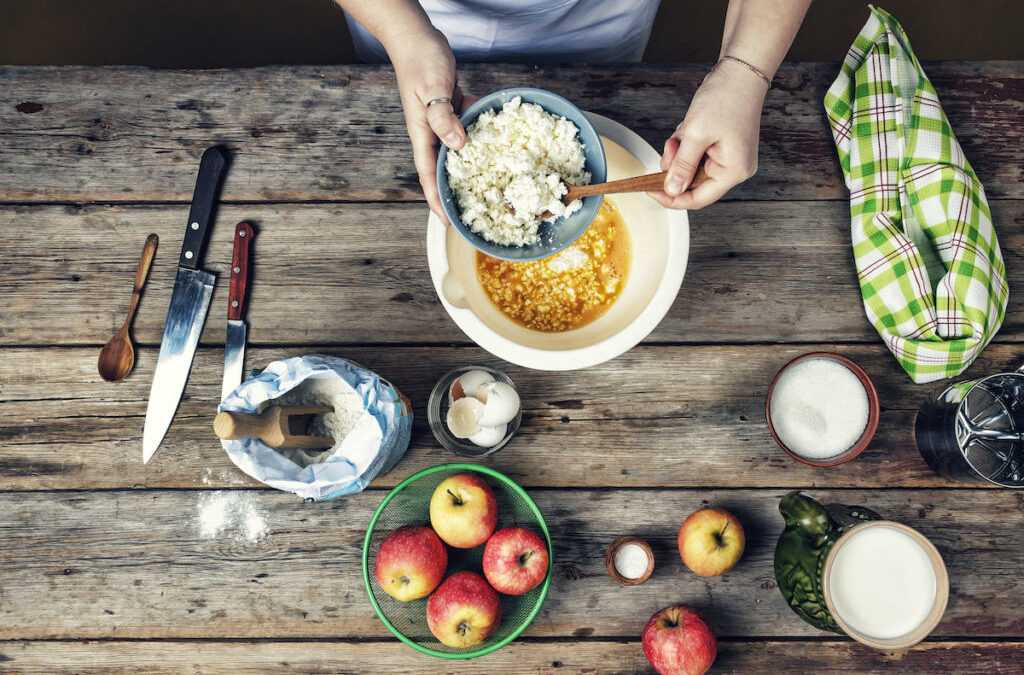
x=238, y=293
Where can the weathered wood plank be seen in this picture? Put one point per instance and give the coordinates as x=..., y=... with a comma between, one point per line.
x=657, y=416
x=757, y=272
x=300, y=133
x=133, y=564
x=524, y=657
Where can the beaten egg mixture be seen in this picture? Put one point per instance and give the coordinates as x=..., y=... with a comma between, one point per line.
x=568, y=290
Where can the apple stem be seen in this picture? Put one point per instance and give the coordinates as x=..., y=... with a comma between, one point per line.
x=719, y=535
x=455, y=497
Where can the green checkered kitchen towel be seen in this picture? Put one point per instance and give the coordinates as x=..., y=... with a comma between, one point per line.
x=928, y=261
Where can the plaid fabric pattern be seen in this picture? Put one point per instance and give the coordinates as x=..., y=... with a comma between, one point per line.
x=930, y=269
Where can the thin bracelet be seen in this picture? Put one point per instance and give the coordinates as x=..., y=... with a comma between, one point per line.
x=753, y=69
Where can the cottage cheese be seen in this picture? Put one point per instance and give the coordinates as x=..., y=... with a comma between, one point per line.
x=517, y=156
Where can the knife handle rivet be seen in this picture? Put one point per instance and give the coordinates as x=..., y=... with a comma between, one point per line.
x=237, y=270
x=241, y=233
x=234, y=303
x=188, y=255
x=195, y=226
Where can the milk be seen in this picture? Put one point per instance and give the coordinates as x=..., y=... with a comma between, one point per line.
x=882, y=583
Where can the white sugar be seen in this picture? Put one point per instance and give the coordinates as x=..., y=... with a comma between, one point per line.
x=631, y=561
x=819, y=408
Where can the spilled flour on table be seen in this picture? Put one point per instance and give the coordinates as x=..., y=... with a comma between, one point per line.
x=231, y=514
x=222, y=477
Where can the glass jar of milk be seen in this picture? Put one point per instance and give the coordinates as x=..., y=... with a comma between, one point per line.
x=844, y=569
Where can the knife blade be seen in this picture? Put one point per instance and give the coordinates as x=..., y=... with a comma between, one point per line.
x=190, y=301
x=238, y=293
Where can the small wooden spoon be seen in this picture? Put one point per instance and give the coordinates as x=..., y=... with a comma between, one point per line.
x=652, y=182
x=118, y=356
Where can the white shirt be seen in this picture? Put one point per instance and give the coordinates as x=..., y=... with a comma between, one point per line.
x=536, y=31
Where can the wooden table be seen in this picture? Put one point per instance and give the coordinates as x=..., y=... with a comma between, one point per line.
x=102, y=566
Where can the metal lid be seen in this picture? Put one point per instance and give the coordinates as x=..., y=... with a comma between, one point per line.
x=988, y=429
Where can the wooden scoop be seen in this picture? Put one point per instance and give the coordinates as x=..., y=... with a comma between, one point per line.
x=117, y=357
x=277, y=426
x=652, y=182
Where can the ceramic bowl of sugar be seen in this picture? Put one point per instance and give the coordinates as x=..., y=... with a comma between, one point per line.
x=822, y=409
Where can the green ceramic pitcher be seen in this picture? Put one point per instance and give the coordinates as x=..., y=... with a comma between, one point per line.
x=812, y=529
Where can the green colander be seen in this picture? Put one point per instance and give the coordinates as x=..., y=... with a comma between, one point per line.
x=409, y=504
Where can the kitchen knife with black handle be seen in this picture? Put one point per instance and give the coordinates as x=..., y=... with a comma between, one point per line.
x=190, y=301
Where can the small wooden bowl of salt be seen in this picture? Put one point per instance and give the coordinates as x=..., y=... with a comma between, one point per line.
x=629, y=560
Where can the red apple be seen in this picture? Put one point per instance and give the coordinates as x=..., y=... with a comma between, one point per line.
x=678, y=641
x=515, y=560
x=410, y=562
x=463, y=510
x=711, y=542
x=463, y=611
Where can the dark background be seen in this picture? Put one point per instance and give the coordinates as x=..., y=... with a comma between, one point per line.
x=227, y=33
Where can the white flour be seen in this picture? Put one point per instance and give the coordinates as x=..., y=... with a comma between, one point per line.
x=326, y=391
x=235, y=514
x=222, y=477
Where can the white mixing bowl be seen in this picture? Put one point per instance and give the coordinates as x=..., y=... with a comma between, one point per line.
x=660, y=241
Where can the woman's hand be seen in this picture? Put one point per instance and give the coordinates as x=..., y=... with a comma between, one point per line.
x=425, y=68
x=723, y=123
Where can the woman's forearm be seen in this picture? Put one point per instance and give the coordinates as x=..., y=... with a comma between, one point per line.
x=427, y=83
x=393, y=22
x=761, y=31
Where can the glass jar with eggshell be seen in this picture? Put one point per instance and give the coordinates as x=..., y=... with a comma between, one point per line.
x=502, y=404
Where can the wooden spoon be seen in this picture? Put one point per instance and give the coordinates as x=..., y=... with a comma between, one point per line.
x=652, y=182
x=118, y=356
x=279, y=426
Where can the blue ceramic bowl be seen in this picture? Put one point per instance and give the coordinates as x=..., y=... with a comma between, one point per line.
x=557, y=234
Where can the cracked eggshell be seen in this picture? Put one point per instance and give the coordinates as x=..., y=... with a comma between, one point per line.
x=468, y=384
x=501, y=403
x=464, y=417
x=488, y=437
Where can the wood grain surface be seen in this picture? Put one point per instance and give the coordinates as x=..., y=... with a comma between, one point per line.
x=656, y=417
x=524, y=657
x=135, y=564
x=757, y=272
x=104, y=567
x=337, y=133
